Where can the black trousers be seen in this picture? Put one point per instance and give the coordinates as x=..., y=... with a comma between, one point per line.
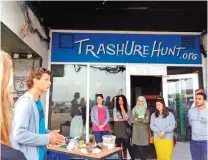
x=142, y=151
x=126, y=145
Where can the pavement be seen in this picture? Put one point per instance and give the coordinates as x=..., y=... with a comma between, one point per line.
x=180, y=152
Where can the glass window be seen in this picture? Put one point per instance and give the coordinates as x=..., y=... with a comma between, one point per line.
x=68, y=96
x=186, y=70
x=68, y=93
x=109, y=81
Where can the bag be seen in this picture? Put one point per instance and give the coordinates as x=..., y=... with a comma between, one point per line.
x=151, y=137
x=128, y=130
x=128, y=126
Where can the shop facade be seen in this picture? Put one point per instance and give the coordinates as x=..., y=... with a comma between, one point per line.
x=152, y=64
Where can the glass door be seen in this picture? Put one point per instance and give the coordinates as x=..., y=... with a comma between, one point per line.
x=178, y=92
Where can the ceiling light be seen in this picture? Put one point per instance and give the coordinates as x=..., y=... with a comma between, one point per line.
x=16, y=56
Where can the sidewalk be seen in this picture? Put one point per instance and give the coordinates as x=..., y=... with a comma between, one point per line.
x=182, y=151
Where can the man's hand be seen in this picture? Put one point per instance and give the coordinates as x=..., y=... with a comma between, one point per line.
x=56, y=138
x=161, y=134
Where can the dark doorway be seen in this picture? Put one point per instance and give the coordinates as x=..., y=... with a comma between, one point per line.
x=151, y=88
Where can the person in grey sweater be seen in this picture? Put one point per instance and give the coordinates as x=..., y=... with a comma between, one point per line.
x=198, y=122
x=162, y=124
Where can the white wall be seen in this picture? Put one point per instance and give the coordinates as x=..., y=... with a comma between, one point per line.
x=12, y=16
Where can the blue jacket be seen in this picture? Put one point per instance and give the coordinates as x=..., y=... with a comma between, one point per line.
x=25, y=128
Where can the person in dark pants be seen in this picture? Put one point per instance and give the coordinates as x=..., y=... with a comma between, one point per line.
x=100, y=119
x=141, y=119
x=122, y=116
x=198, y=122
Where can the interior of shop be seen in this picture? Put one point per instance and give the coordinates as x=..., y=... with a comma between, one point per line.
x=148, y=86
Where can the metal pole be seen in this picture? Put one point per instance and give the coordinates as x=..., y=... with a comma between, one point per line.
x=88, y=104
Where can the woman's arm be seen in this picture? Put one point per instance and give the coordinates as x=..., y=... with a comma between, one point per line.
x=93, y=116
x=153, y=125
x=171, y=125
x=146, y=119
x=107, y=117
x=115, y=118
x=134, y=120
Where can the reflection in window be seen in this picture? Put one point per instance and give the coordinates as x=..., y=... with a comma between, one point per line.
x=69, y=93
x=109, y=81
x=186, y=70
x=180, y=99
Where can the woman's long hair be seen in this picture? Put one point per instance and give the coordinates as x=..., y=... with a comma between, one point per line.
x=165, y=111
x=6, y=97
x=118, y=108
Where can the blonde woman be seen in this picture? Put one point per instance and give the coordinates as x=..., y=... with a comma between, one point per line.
x=6, y=103
x=162, y=124
x=141, y=118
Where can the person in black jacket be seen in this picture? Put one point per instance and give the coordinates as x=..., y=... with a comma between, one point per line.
x=6, y=82
x=8, y=153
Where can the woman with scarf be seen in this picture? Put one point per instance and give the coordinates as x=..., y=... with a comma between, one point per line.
x=141, y=119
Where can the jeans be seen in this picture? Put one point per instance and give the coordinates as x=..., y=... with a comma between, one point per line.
x=198, y=150
x=98, y=135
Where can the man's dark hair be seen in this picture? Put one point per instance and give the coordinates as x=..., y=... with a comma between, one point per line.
x=203, y=95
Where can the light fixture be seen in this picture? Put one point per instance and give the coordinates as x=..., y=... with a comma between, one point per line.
x=203, y=43
x=16, y=56
x=29, y=55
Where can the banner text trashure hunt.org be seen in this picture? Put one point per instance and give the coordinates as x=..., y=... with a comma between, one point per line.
x=130, y=48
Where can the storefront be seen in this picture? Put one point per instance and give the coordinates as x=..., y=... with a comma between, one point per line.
x=84, y=63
